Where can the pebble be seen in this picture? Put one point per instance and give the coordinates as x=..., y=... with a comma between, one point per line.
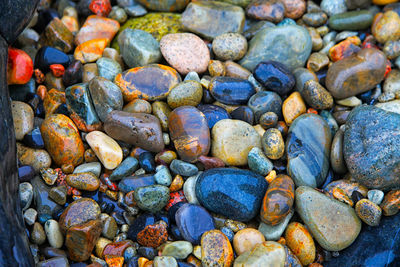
x=351, y=20
x=294, y=9
x=59, y=194
x=165, y=261
x=153, y=235
x=213, y=186
x=22, y=115
x=308, y=136
x=57, y=35
x=25, y=192
x=138, y=48
x=53, y=233
x=93, y=167
x=183, y=168
x=213, y=113
x=56, y=261
x=275, y=232
x=34, y=138
x=189, y=189
x=231, y=91
x=151, y=198
x=189, y=132
x=258, y=162
x=300, y=242
x=234, y=70
x=83, y=181
x=365, y=158
x=49, y=175
x=368, y=212
x=391, y=83
x=273, y=144
x=386, y=27
x=226, y=18
x=216, y=250
x=317, y=61
x=232, y=141
x=293, y=107
x=110, y=228
x=185, y=52
x=376, y=196
x=187, y=93
x=246, y=239
x=336, y=155
x=91, y=50
x=229, y=46
x=89, y=71
x=390, y=203
x=265, y=101
x=320, y=214
x=290, y=45
x=333, y=7
x=192, y=221
x=37, y=158
x=108, y=68
x=268, y=253
x=96, y=27
x=139, y=129
x=138, y=106
x=37, y=235
x=177, y=249
x=274, y=76
x=106, y=149
x=30, y=216
x=132, y=86
x=316, y=96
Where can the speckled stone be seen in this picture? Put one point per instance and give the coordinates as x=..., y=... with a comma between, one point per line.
x=320, y=214
x=187, y=93
x=108, y=68
x=265, y=101
x=177, y=249
x=151, y=198
x=316, y=95
x=80, y=211
x=22, y=115
x=299, y=240
x=216, y=250
x=275, y=232
x=293, y=107
x=386, y=27
x=229, y=46
x=273, y=144
x=258, y=162
x=83, y=181
x=37, y=158
x=246, y=239
x=368, y=212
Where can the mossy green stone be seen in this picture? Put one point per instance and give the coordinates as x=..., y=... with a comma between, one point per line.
x=157, y=24
x=151, y=198
x=351, y=21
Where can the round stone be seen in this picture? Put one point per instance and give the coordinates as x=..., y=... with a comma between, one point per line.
x=80, y=211
x=151, y=198
x=216, y=250
x=299, y=240
x=22, y=115
x=273, y=144
x=37, y=158
x=386, y=27
x=188, y=93
x=232, y=140
x=274, y=76
x=83, y=181
x=138, y=106
x=229, y=46
x=368, y=212
x=265, y=101
x=246, y=239
x=178, y=249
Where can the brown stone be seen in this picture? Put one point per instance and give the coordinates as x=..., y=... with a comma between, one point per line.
x=216, y=250
x=294, y=9
x=52, y=101
x=117, y=248
x=83, y=181
x=153, y=235
x=391, y=203
x=271, y=10
x=37, y=158
x=78, y=212
x=234, y=70
x=292, y=107
x=386, y=27
x=57, y=35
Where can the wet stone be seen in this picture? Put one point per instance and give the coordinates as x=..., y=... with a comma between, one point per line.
x=22, y=115
x=59, y=194
x=47, y=56
x=351, y=21
x=25, y=191
x=376, y=196
x=246, y=239
x=369, y=212
x=274, y=76
x=316, y=95
x=231, y=91
x=178, y=249
x=80, y=211
x=273, y=144
x=299, y=240
x=216, y=250
x=108, y=68
x=151, y=198
x=275, y=232
x=106, y=149
x=146, y=162
x=265, y=101
x=266, y=10
x=213, y=113
x=57, y=35
x=127, y=167
x=187, y=93
x=53, y=233
x=34, y=139
x=229, y=46
x=183, y=168
x=386, y=27
x=83, y=181
x=96, y=27
x=258, y=162
x=268, y=253
x=131, y=183
x=292, y=107
x=153, y=235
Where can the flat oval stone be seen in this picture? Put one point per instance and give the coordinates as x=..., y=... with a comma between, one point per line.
x=265, y=101
x=152, y=82
x=290, y=45
x=231, y=91
x=53, y=233
x=22, y=115
x=139, y=129
x=106, y=149
x=213, y=113
x=187, y=93
x=299, y=240
x=234, y=193
x=232, y=141
x=192, y=221
x=80, y=211
x=229, y=46
x=268, y=253
x=62, y=140
x=189, y=132
x=321, y=215
x=356, y=74
x=216, y=250
x=368, y=130
x=170, y=5
x=130, y=183
x=274, y=76
x=273, y=144
x=106, y=96
x=185, y=52
x=151, y=198
x=83, y=181
x=177, y=249
x=246, y=239
x=351, y=21
x=308, y=147
x=368, y=212
x=96, y=27
x=225, y=17
x=278, y=200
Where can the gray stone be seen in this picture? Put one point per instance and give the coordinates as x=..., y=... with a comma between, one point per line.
x=275, y=232
x=25, y=195
x=108, y=68
x=93, y=167
x=332, y=7
x=53, y=233
x=183, y=168
x=30, y=216
x=258, y=162
x=189, y=189
x=163, y=176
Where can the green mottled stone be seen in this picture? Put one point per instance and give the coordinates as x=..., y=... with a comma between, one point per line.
x=351, y=21
x=188, y=93
x=157, y=24
x=332, y=223
x=258, y=162
x=126, y=168
x=108, y=68
x=225, y=18
x=290, y=45
x=151, y=198
x=138, y=48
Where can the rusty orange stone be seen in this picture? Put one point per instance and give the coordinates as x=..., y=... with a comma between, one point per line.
x=142, y=261
x=96, y=27
x=176, y=184
x=19, y=66
x=341, y=195
x=189, y=132
x=117, y=248
x=114, y=261
x=299, y=240
x=151, y=82
x=153, y=235
x=39, y=76
x=57, y=70
x=271, y=176
x=278, y=200
x=100, y=7
x=391, y=203
x=71, y=23
x=216, y=250
x=62, y=140
x=41, y=91
x=345, y=48
x=193, y=260
x=90, y=51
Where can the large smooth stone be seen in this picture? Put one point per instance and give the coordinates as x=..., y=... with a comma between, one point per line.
x=62, y=140
x=189, y=132
x=308, y=147
x=234, y=193
x=266, y=254
x=80, y=211
x=139, y=129
x=356, y=74
x=192, y=221
x=232, y=141
x=333, y=224
x=231, y=91
x=151, y=82
x=290, y=45
x=375, y=246
x=371, y=147
x=225, y=18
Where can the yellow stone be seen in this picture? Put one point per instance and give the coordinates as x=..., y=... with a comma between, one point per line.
x=197, y=252
x=266, y=254
x=383, y=2
x=271, y=176
x=90, y=51
x=293, y=107
x=247, y=239
x=106, y=149
x=259, y=129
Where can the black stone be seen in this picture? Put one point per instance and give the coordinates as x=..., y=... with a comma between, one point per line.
x=234, y=193
x=213, y=113
x=146, y=162
x=133, y=262
x=176, y=233
x=207, y=97
x=231, y=91
x=20, y=92
x=73, y=74
x=147, y=252
x=374, y=247
x=265, y=101
x=44, y=18
x=274, y=76
x=47, y=56
x=34, y=139
x=62, y=109
x=243, y=113
x=26, y=173
x=172, y=211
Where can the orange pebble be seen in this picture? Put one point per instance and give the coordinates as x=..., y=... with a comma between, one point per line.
x=271, y=176
x=345, y=48
x=114, y=261
x=311, y=110
x=282, y=240
x=142, y=261
x=90, y=51
x=57, y=70
x=41, y=91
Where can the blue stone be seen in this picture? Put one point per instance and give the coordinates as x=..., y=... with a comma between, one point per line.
x=213, y=114
x=130, y=183
x=127, y=167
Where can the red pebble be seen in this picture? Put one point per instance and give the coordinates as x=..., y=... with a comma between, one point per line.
x=388, y=68
x=57, y=70
x=19, y=66
x=100, y=7
x=112, y=186
x=39, y=76
x=174, y=198
x=311, y=110
x=61, y=177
